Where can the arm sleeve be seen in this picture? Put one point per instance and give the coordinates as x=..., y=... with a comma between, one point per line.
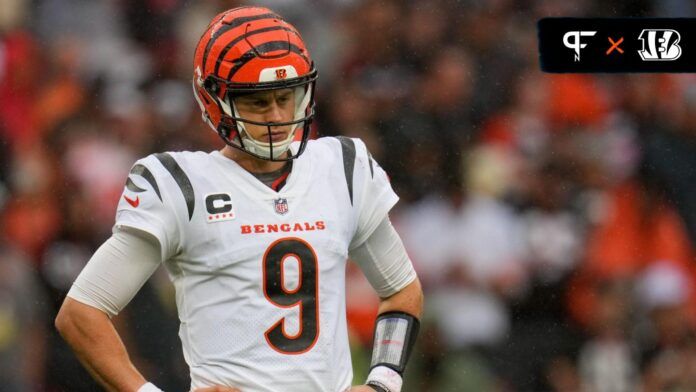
x=383, y=259
x=116, y=271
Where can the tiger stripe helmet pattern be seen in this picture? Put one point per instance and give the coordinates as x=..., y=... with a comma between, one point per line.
x=246, y=50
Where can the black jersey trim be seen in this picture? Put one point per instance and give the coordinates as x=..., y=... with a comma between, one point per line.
x=145, y=173
x=132, y=187
x=181, y=179
x=348, y=149
x=369, y=159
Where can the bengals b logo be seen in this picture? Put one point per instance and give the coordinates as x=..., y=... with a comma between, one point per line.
x=281, y=73
x=660, y=45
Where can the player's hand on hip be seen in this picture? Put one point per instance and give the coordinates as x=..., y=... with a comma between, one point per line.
x=217, y=388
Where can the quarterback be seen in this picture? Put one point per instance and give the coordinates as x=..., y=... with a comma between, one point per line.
x=254, y=236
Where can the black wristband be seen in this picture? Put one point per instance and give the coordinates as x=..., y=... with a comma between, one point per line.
x=394, y=338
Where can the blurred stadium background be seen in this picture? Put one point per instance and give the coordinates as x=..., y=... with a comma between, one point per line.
x=552, y=218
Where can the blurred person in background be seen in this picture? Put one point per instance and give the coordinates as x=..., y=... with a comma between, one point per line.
x=668, y=358
x=553, y=226
x=23, y=312
x=436, y=123
x=218, y=223
x=670, y=150
x=468, y=248
x=607, y=361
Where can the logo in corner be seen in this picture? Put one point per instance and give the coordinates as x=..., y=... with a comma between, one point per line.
x=660, y=45
x=281, y=205
x=134, y=203
x=571, y=40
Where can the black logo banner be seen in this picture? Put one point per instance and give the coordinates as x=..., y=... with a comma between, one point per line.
x=617, y=44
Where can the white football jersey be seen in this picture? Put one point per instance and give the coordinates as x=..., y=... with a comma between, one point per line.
x=260, y=274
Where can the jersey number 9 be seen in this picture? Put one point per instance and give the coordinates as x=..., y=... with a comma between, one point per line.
x=305, y=295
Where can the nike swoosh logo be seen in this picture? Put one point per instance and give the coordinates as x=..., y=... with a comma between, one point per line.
x=132, y=202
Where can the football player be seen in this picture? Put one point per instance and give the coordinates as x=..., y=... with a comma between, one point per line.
x=254, y=236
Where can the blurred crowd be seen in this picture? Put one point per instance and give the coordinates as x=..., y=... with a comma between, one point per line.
x=551, y=218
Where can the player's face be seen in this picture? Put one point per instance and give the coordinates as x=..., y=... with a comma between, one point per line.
x=274, y=106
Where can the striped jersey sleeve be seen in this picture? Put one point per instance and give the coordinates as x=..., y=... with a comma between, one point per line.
x=148, y=201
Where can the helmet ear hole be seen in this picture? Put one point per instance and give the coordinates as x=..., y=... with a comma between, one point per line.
x=210, y=86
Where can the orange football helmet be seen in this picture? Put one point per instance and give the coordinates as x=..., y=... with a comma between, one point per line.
x=246, y=50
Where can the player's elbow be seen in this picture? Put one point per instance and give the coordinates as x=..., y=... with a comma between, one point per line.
x=72, y=315
x=64, y=320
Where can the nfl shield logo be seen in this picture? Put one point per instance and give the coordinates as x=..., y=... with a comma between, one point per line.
x=281, y=206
